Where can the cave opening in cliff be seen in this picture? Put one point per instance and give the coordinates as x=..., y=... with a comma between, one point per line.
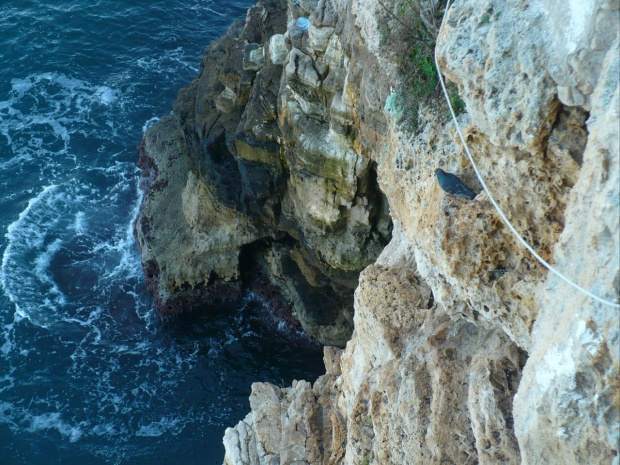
x=268, y=277
x=380, y=211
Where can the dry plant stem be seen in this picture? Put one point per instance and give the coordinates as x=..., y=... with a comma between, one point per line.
x=429, y=46
x=431, y=25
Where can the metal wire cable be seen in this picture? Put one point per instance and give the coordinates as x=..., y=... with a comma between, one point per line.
x=497, y=207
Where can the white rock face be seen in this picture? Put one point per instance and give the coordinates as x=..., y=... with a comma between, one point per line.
x=278, y=52
x=582, y=33
x=502, y=59
x=402, y=391
x=465, y=349
x=568, y=396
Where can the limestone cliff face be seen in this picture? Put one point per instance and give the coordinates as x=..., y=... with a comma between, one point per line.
x=255, y=182
x=465, y=349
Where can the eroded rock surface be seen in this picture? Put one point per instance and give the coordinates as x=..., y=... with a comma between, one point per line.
x=249, y=185
x=568, y=405
x=413, y=386
x=465, y=348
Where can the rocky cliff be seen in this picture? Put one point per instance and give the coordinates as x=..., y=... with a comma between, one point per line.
x=255, y=180
x=306, y=121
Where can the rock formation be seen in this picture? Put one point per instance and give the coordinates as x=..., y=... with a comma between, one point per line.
x=276, y=170
x=254, y=181
x=465, y=348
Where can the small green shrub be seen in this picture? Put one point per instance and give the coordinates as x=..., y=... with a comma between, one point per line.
x=458, y=105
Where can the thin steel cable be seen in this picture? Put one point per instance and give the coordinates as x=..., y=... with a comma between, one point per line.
x=497, y=207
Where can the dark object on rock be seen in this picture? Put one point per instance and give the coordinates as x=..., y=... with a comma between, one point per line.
x=453, y=185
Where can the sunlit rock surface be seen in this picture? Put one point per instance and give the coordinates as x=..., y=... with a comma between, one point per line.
x=465, y=348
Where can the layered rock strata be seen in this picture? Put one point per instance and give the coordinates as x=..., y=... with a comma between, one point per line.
x=255, y=182
x=465, y=349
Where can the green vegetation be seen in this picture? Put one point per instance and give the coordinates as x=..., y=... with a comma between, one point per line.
x=423, y=75
x=413, y=43
x=458, y=105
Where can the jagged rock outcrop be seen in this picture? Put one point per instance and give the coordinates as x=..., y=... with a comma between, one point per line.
x=465, y=348
x=254, y=181
x=413, y=386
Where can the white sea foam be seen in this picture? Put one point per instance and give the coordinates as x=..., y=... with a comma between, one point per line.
x=42, y=262
x=21, y=86
x=105, y=429
x=7, y=381
x=58, y=220
x=149, y=123
x=19, y=238
x=72, y=271
x=124, y=247
x=106, y=95
x=7, y=413
x=45, y=104
x=215, y=12
x=160, y=427
x=53, y=420
x=169, y=62
x=7, y=346
x=15, y=161
x=79, y=223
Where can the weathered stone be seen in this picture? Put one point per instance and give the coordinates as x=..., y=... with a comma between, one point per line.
x=437, y=370
x=406, y=385
x=302, y=75
x=278, y=52
x=575, y=54
x=253, y=57
x=321, y=303
x=226, y=101
x=264, y=20
x=318, y=38
x=302, y=8
x=283, y=164
x=518, y=111
x=231, y=134
x=182, y=240
x=325, y=15
x=240, y=443
x=567, y=406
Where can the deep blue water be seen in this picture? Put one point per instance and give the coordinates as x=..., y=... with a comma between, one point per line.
x=89, y=373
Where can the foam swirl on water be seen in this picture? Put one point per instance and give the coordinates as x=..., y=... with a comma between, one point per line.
x=88, y=372
x=21, y=243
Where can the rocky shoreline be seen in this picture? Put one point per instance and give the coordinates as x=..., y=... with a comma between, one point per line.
x=289, y=167
x=238, y=180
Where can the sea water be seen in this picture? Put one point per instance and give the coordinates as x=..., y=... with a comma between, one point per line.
x=89, y=374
